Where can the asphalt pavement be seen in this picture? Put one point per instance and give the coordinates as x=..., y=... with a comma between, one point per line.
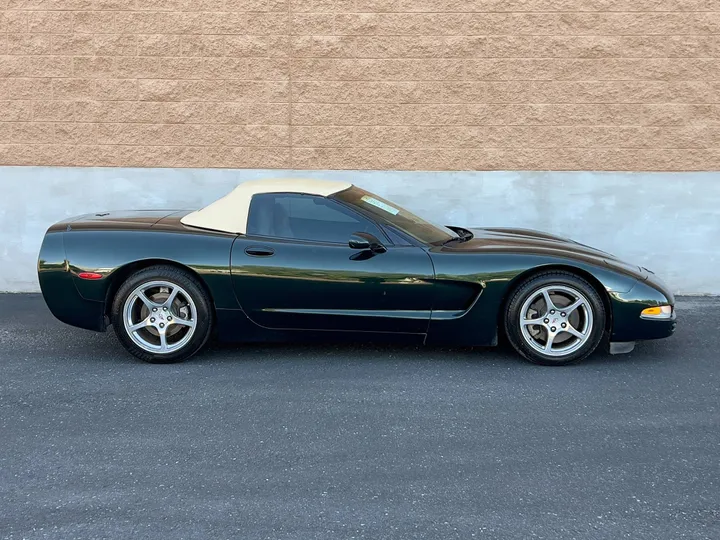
x=356, y=441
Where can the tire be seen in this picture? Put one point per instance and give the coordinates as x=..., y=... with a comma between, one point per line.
x=155, y=327
x=574, y=323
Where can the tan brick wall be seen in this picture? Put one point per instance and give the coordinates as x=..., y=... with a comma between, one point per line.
x=368, y=84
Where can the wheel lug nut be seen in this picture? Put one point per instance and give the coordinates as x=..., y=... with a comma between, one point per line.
x=162, y=325
x=552, y=328
x=154, y=309
x=169, y=318
x=552, y=312
x=563, y=325
x=152, y=319
x=562, y=314
x=546, y=321
x=164, y=309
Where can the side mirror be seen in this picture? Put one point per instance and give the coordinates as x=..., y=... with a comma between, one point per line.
x=361, y=240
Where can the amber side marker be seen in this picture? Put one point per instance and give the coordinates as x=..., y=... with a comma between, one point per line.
x=659, y=312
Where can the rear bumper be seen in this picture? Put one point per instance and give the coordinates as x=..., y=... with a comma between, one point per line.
x=59, y=290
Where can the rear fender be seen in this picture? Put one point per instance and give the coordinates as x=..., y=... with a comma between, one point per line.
x=112, y=253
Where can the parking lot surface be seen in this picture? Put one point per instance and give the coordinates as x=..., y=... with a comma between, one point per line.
x=356, y=441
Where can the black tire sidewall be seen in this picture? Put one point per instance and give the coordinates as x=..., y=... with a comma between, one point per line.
x=181, y=278
x=530, y=287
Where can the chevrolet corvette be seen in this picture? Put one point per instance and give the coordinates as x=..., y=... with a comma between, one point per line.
x=295, y=259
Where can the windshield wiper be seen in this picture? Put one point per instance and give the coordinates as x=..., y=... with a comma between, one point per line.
x=466, y=235
x=452, y=239
x=463, y=235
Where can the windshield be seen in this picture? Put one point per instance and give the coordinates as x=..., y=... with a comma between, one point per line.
x=407, y=222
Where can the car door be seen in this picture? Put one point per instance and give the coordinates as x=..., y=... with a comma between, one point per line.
x=294, y=269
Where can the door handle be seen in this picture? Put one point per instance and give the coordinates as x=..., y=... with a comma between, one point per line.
x=259, y=251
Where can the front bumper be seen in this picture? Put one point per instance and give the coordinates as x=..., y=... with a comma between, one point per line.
x=628, y=325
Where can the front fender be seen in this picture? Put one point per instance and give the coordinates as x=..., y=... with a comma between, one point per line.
x=496, y=275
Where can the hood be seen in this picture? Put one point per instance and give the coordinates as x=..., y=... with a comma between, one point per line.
x=536, y=242
x=118, y=219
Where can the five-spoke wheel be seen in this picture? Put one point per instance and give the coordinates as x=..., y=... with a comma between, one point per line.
x=162, y=314
x=555, y=318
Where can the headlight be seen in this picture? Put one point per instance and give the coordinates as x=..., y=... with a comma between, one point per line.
x=659, y=312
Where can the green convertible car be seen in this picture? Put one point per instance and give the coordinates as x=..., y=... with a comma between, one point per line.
x=294, y=259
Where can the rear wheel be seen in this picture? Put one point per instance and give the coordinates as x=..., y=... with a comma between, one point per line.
x=162, y=314
x=555, y=318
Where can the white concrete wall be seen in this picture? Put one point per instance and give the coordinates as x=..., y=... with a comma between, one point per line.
x=669, y=222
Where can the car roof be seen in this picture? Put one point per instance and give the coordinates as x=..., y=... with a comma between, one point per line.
x=230, y=213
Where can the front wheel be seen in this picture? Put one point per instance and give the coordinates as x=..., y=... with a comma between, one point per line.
x=162, y=314
x=555, y=318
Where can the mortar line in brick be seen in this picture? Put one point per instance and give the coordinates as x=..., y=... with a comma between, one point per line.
x=555, y=81
x=466, y=148
x=605, y=58
x=355, y=10
x=617, y=126
x=291, y=58
x=524, y=103
x=510, y=12
x=548, y=35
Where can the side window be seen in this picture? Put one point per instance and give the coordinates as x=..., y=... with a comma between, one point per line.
x=396, y=237
x=305, y=217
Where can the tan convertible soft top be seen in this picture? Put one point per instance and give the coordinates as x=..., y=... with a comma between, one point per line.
x=230, y=213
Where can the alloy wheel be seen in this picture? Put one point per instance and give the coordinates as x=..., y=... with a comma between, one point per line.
x=160, y=317
x=556, y=320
